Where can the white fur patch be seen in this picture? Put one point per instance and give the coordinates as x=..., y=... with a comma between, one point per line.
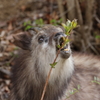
x=64, y=68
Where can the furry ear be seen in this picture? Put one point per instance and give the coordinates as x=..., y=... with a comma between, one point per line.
x=23, y=40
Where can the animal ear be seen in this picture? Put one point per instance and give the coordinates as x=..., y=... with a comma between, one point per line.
x=23, y=40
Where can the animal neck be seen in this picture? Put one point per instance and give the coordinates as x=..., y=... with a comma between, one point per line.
x=59, y=78
x=62, y=71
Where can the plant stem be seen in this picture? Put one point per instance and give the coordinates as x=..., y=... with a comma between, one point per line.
x=47, y=79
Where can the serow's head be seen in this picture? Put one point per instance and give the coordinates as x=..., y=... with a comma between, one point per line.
x=44, y=40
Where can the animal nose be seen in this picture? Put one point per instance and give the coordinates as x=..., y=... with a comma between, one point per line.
x=59, y=35
x=59, y=38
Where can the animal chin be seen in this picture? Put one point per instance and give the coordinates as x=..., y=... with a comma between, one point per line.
x=64, y=52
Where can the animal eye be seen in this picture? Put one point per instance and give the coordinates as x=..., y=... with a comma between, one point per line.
x=41, y=39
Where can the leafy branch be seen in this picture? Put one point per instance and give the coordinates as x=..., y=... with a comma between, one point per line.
x=68, y=27
x=72, y=92
x=96, y=80
x=80, y=88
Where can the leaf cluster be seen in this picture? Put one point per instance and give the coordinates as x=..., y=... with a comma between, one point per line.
x=72, y=92
x=39, y=22
x=55, y=22
x=27, y=25
x=70, y=25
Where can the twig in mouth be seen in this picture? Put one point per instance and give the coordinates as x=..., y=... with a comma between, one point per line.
x=47, y=79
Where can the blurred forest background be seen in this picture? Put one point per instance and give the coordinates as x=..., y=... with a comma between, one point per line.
x=14, y=13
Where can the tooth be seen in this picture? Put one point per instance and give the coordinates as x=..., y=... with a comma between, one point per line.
x=65, y=49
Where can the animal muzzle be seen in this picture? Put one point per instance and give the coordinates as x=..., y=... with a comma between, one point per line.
x=64, y=49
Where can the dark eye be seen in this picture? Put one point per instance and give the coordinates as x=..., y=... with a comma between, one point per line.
x=41, y=39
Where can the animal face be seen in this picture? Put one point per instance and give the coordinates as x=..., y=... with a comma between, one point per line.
x=44, y=40
x=32, y=68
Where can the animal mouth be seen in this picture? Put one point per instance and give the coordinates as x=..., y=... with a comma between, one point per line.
x=64, y=51
x=60, y=43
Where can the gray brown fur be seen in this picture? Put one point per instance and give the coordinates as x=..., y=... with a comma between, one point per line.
x=31, y=69
x=86, y=68
x=24, y=87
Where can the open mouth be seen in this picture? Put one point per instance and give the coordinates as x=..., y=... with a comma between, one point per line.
x=60, y=43
x=64, y=51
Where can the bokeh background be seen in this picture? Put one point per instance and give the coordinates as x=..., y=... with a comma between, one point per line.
x=15, y=13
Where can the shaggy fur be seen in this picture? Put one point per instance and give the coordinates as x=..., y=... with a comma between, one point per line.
x=32, y=67
x=86, y=68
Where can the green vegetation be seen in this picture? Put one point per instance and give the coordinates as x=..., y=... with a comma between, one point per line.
x=40, y=22
x=96, y=80
x=72, y=92
x=68, y=26
x=27, y=25
x=56, y=22
x=97, y=36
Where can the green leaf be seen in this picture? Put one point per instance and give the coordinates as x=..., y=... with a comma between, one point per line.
x=92, y=81
x=53, y=21
x=53, y=65
x=78, y=87
x=74, y=23
x=56, y=22
x=69, y=26
x=97, y=36
x=71, y=92
x=39, y=22
x=68, y=30
x=26, y=23
x=58, y=46
x=66, y=41
x=60, y=21
x=75, y=89
x=64, y=25
x=28, y=27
